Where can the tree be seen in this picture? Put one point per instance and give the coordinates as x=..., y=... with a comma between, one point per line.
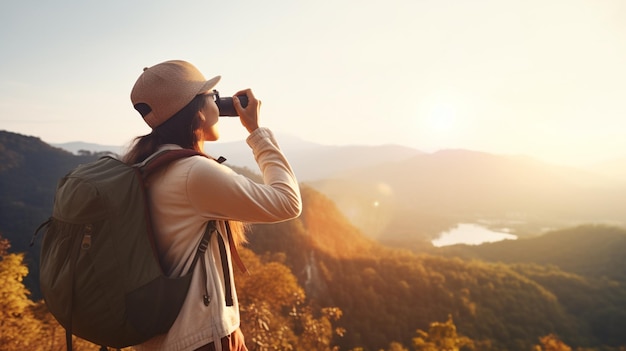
x=19, y=329
x=441, y=337
x=274, y=315
x=396, y=346
x=4, y=246
x=315, y=333
x=551, y=342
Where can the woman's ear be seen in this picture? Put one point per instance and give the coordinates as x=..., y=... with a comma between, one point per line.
x=201, y=116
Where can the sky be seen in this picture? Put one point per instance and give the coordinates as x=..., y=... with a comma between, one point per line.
x=543, y=78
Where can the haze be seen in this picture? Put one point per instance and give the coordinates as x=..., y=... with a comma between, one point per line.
x=540, y=78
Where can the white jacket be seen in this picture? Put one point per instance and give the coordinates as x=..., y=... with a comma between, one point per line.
x=186, y=195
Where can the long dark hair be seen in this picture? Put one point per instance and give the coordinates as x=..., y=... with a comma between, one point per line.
x=181, y=129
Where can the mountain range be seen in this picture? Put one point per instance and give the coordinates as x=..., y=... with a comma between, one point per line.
x=412, y=196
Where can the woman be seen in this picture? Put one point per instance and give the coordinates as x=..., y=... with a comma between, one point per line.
x=177, y=102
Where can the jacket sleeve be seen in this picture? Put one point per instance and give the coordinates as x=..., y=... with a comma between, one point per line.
x=217, y=192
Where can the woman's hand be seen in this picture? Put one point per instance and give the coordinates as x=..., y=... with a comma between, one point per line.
x=237, y=342
x=248, y=116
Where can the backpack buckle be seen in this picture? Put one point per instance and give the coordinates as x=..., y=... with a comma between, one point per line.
x=86, y=243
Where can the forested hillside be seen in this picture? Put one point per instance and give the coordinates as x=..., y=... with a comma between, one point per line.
x=385, y=292
x=318, y=282
x=589, y=250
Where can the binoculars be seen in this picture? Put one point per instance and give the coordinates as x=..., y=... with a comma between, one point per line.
x=226, y=107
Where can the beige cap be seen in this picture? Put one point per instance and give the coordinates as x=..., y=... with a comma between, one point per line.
x=164, y=89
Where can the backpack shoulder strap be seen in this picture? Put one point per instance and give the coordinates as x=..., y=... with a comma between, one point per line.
x=163, y=158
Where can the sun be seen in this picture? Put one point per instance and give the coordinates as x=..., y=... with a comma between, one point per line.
x=442, y=117
x=442, y=120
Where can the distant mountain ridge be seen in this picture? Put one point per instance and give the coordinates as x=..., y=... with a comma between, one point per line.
x=310, y=161
x=315, y=161
x=77, y=146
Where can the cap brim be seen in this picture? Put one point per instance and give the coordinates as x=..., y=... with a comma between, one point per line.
x=209, y=85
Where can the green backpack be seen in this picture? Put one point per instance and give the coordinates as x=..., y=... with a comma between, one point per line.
x=100, y=275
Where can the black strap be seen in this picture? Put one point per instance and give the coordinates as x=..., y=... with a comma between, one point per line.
x=44, y=224
x=68, y=339
x=206, y=298
x=202, y=247
x=78, y=246
x=204, y=242
x=228, y=293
